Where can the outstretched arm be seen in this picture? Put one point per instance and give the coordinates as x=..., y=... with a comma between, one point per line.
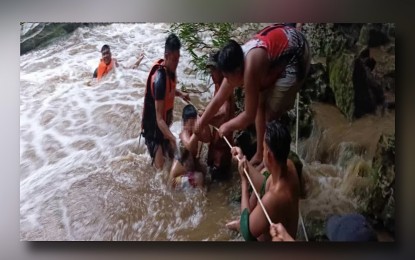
x=139, y=59
x=255, y=68
x=225, y=91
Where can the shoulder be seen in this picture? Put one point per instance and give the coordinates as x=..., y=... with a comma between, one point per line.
x=275, y=199
x=256, y=59
x=160, y=73
x=160, y=77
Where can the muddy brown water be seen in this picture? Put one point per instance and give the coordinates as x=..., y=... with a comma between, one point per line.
x=84, y=174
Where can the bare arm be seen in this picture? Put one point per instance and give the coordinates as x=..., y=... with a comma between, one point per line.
x=255, y=68
x=222, y=115
x=182, y=95
x=161, y=123
x=258, y=223
x=190, y=142
x=256, y=177
x=139, y=59
x=225, y=91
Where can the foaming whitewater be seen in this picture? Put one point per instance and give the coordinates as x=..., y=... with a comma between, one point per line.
x=84, y=174
x=337, y=161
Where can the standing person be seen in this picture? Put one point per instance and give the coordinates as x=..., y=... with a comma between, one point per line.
x=271, y=67
x=107, y=63
x=219, y=155
x=159, y=103
x=278, y=188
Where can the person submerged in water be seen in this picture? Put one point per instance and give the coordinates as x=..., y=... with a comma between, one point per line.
x=186, y=171
x=278, y=186
x=107, y=63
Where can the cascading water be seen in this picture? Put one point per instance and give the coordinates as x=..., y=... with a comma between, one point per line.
x=85, y=176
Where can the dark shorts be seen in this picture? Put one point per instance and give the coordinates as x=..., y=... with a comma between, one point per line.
x=154, y=143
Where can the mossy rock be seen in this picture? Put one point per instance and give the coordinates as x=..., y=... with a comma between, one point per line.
x=341, y=81
x=380, y=204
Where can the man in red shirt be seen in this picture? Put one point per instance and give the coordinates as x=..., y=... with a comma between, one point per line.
x=271, y=67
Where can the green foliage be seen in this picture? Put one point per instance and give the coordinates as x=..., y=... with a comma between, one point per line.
x=199, y=39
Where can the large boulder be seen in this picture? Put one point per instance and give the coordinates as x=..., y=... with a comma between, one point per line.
x=360, y=61
x=380, y=204
x=36, y=35
x=341, y=80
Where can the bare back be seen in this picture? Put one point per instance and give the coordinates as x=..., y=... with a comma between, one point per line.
x=285, y=194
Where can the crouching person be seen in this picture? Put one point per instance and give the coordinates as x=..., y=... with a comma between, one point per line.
x=278, y=186
x=186, y=171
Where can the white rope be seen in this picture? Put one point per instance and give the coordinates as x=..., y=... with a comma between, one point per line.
x=296, y=128
x=249, y=179
x=296, y=151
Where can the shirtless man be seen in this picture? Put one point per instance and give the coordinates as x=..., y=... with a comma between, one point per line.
x=219, y=156
x=185, y=171
x=278, y=186
x=271, y=67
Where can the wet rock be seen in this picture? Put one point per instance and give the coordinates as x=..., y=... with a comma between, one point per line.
x=316, y=87
x=368, y=93
x=36, y=35
x=341, y=80
x=376, y=34
x=381, y=198
x=358, y=81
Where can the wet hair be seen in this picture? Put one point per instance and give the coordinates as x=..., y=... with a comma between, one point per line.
x=189, y=112
x=172, y=43
x=105, y=47
x=278, y=139
x=213, y=60
x=231, y=57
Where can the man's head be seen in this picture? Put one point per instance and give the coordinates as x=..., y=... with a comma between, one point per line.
x=212, y=65
x=276, y=144
x=172, y=52
x=189, y=116
x=231, y=63
x=106, y=54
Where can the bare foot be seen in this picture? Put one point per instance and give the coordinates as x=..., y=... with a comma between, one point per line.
x=233, y=225
x=256, y=159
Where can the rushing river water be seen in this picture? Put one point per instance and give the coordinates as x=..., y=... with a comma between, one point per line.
x=84, y=174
